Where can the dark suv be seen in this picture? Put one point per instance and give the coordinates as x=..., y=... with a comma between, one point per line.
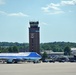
x=51, y=60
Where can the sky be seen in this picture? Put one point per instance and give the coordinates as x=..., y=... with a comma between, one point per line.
x=57, y=20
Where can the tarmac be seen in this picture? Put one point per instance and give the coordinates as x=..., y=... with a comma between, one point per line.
x=56, y=68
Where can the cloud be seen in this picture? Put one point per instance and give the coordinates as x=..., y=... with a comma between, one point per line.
x=70, y=2
x=19, y=14
x=51, y=6
x=2, y=2
x=3, y=13
x=55, y=8
x=52, y=9
x=45, y=9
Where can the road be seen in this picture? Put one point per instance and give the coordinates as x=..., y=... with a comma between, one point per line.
x=38, y=69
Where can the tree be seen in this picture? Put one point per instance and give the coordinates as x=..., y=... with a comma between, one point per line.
x=67, y=51
x=0, y=49
x=44, y=56
x=10, y=50
x=15, y=49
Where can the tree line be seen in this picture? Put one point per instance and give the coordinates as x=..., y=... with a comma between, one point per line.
x=22, y=47
x=57, y=46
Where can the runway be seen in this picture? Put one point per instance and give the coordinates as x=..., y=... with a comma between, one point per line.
x=38, y=69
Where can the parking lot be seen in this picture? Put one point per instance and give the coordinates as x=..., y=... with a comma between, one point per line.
x=56, y=68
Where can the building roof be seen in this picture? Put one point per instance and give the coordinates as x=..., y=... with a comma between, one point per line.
x=73, y=48
x=51, y=52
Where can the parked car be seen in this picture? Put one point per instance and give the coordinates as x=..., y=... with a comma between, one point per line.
x=72, y=60
x=45, y=60
x=51, y=60
x=62, y=59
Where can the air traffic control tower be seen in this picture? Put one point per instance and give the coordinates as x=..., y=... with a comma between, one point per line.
x=34, y=37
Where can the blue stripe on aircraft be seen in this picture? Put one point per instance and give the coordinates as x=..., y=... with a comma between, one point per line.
x=33, y=54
